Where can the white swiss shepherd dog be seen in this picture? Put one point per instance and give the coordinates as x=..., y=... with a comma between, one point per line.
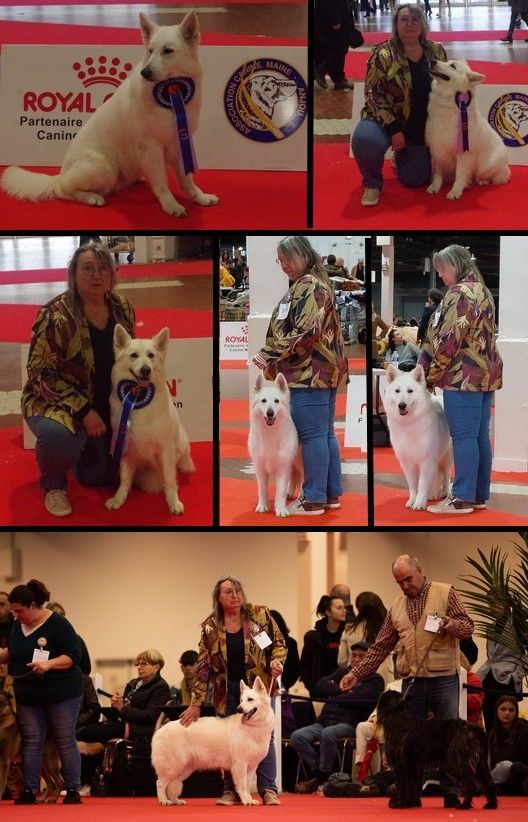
x=236, y=743
x=157, y=442
x=273, y=444
x=486, y=161
x=419, y=435
x=130, y=137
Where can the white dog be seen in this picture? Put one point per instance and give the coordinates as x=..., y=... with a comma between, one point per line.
x=273, y=443
x=157, y=442
x=485, y=160
x=236, y=743
x=130, y=137
x=419, y=435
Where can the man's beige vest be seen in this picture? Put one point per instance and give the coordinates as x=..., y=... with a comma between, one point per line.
x=442, y=657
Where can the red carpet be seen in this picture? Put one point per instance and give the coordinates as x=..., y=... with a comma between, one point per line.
x=248, y=198
x=51, y=33
x=294, y=808
x=21, y=500
x=338, y=188
x=356, y=64
x=136, y=271
x=16, y=322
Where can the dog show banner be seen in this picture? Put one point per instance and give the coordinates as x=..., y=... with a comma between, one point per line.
x=505, y=108
x=234, y=341
x=253, y=114
x=188, y=367
x=356, y=413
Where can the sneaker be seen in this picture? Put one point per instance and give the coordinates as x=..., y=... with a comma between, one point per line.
x=307, y=786
x=228, y=798
x=320, y=79
x=27, y=797
x=72, y=797
x=479, y=504
x=370, y=197
x=451, y=800
x=303, y=507
x=270, y=797
x=85, y=790
x=508, y=40
x=343, y=86
x=451, y=505
x=56, y=502
x=333, y=502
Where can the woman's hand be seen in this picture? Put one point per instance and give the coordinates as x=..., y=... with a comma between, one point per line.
x=276, y=667
x=117, y=702
x=398, y=141
x=93, y=424
x=39, y=668
x=190, y=715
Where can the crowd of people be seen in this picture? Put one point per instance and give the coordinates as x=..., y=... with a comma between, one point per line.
x=350, y=656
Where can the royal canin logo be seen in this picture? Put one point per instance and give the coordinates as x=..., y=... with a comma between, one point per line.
x=92, y=71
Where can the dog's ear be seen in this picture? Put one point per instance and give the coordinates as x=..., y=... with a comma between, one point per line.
x=280, y=382
x=147, y=27
x=392, y=373
x=121, y=337
x=190, y=28
x=258, y=685
x=259, y=382
x=419, y=374
x=475, y=77
x=243, y=687
x=161, y=339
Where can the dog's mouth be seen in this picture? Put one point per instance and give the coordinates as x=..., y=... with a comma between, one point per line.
x=439, y=75
x=270, y=420
x=143, y=382
x=247, y=717
x=402, y=410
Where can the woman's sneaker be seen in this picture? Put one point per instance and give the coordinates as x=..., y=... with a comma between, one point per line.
x=27, y=797
x=72, y=797
x=56, y=502
x=333, y=503
x=451, y=505
x=302, y=507
x=370, y=197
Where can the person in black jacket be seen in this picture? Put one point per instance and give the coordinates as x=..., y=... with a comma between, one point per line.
x=338, y=718
x=432, y=301
x=333, y=25
x=321, y=644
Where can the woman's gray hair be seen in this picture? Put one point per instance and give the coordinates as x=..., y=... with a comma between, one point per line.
x=217, y=608
x=417, y=13
x=104, y=257
x=151, y=656
x=461, y=259
x=297, y=244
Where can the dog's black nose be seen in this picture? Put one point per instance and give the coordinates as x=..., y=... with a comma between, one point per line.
x=402, y=406
x=145, y=371
x=146, y=73
x=269, y=412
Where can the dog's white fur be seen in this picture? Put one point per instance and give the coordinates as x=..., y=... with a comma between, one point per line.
x=130, y=137
x=236, y=743
x=419, y=435
x=273, y=443
x=487, y=160
x=157, y=440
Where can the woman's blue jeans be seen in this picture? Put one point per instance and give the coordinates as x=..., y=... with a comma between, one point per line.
x=370, y=142
x=468, y=415
x=58, y=451
x=60, y=721
x=267, y=769
x=313, y=412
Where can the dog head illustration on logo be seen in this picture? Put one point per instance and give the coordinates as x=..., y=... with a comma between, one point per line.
x=509, y=117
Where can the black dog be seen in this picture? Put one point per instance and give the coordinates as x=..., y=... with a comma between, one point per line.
x=412, y=745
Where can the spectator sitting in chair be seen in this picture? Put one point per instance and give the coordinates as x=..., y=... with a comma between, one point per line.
x=337, y=719
x=189, y=667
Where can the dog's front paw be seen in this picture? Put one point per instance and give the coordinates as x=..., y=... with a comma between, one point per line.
x=410, y=501
x=249, y=801
x=114, y=502
x=173, y=207
x=175, y=505
x=206, y=199
x=419, y=504
x=434, y=187
x=454, y=193
x=94, y=199
x=262, y=508
x=282, y=512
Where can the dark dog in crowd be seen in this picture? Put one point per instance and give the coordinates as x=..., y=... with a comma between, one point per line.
x=10, y=744
x=413, y=745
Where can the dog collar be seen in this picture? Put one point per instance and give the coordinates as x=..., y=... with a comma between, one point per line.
x=463, y=100
x=174, y=93
x=132, y=396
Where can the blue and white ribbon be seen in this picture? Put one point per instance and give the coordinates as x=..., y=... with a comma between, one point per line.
x=174, y=93
x=463, y=99
x=132, y=396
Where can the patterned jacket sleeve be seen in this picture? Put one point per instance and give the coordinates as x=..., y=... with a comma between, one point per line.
x=444, y=342
x=306, y=315
x=204, y=669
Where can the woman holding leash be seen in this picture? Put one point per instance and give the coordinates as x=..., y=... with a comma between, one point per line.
x=304, y=342
x=65, y=400
x=239, y=641
x=44, y=655
x=460, y=356
x=397, y=89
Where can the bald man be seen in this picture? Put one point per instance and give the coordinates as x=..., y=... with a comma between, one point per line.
x=427, y=621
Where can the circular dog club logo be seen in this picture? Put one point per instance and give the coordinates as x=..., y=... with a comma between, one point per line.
x=509, y=117
x=266, y=100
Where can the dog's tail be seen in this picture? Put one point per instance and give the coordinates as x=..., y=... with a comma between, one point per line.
x=29, y=185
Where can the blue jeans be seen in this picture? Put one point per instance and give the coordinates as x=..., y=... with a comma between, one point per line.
x=468, y=415
x=267, y=769
x=58, y=451
x=370, y=141
x=60, y=721
x=313, y=412
x=303, y=741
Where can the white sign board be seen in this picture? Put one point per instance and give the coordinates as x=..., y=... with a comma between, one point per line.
x=234, y=341
x=189, y=380
x=504, y=107
x=356, y=413
x=48, y=92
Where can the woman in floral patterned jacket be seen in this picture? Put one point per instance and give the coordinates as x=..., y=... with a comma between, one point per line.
x=66, y=397
x=239, y=641
x=304, y=342
x=460, y=355
x=397, y=90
